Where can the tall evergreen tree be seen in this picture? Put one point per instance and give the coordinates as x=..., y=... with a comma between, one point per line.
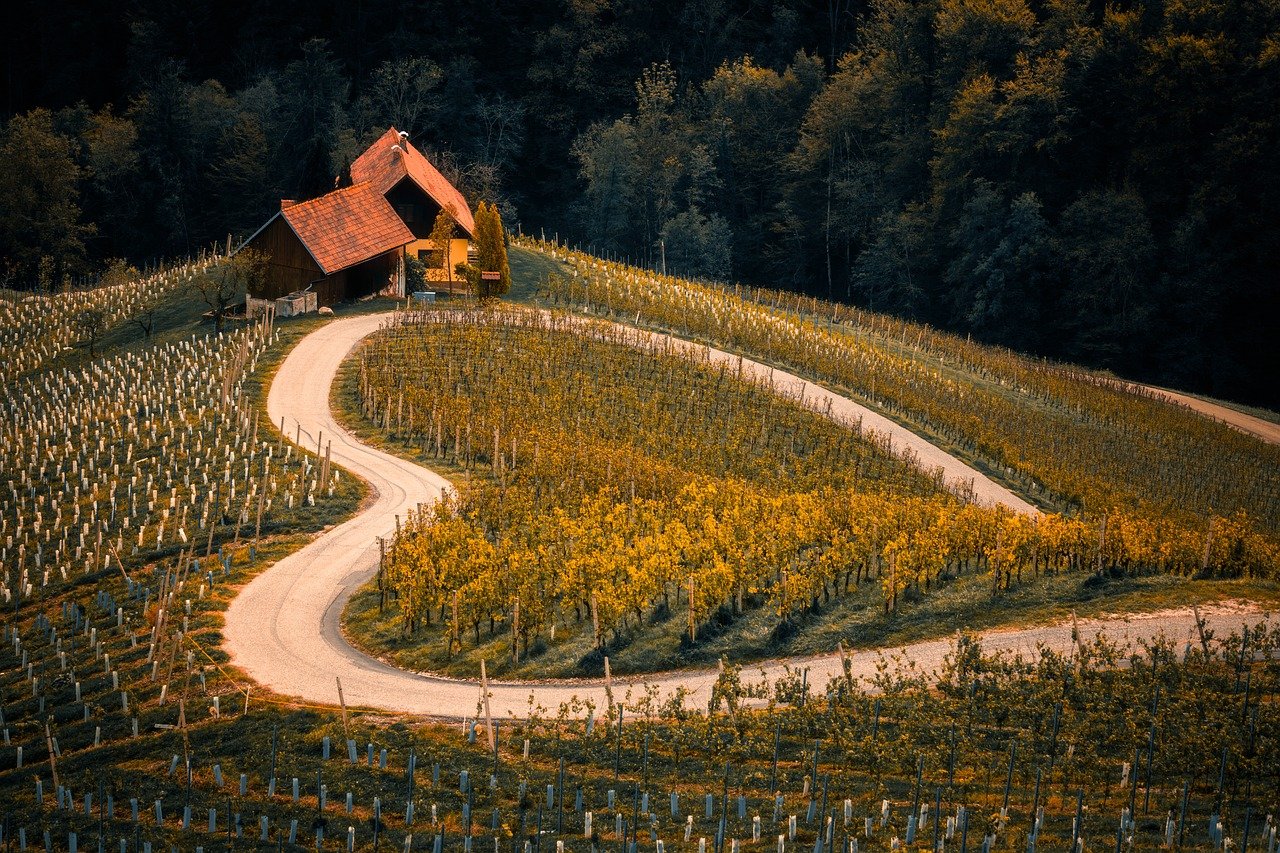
x=491, y=255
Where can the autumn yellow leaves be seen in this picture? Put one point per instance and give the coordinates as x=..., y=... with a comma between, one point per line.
x=609, y=481
x=1079, y=441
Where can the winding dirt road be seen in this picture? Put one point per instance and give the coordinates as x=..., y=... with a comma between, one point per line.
x=1265, y=430
x=283, y=628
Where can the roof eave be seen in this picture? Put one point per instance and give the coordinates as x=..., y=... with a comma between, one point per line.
x=264, y=227
x=369, y=258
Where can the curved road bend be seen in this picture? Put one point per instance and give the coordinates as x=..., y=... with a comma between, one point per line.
x=283, y=628
x=1265, y=430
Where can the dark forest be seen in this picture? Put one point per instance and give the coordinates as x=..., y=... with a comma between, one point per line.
x=1088, y=182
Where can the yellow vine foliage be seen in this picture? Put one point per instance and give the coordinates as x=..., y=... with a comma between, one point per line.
x=1075, y=438
x=610, y=478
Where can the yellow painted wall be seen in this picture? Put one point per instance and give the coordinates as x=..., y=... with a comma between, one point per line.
x=457, y=255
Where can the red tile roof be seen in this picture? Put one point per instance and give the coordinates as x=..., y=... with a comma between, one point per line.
x=384, y=168
x=347, y=226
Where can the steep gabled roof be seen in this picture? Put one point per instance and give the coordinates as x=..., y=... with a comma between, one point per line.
x=384, y=168
x=347, y=226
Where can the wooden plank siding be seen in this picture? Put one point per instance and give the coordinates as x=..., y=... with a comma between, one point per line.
x=416, y=208
x=290, y=266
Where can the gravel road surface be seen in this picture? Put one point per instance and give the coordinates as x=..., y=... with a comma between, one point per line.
x=1265, y=430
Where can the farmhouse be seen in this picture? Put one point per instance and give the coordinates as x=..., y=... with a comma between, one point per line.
x=351, y=242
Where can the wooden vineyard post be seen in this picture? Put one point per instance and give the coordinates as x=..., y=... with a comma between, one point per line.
x=608, y=684
x=343, y=702
x=893, y=580
x=595, y=621
x=168, y=678
x=53, y=763
x=845, y=666
x=382, y=564
x=240, y=516
x=186, y=741
x=693, y=629
x=515, y=633
x=1075, y=639
x=773, y=774
x=455, y=644
x=213, y=523
x=484, y=693
x=1204, y=641
x=262, y=498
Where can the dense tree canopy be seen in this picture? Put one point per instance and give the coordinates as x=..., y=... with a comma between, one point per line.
x=1094, y=182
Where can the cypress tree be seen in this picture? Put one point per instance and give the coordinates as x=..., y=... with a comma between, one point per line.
x=491, y=253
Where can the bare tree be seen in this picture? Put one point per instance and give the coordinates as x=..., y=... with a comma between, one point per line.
x=91, y=324
x=221, y=286
x=403, y=91
x=502, y=122
x=145, y=319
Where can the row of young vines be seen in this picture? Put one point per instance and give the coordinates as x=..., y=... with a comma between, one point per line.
x=139, y=455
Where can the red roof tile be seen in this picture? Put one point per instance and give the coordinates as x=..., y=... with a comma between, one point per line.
x=347, y=226
x=384, y=168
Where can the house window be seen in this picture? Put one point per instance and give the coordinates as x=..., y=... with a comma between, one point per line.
x=424, y=254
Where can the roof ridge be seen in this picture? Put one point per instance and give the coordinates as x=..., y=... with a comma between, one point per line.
x=375, y=165
x=334, y=192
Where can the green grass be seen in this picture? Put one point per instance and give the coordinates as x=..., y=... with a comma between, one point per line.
x=528, y=270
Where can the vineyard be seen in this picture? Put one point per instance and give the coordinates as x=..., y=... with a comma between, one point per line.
x=1069, y=438
x=144, y=489
x=1177, y=749
x=36, y=330
x=613, y=488
x=138, y=457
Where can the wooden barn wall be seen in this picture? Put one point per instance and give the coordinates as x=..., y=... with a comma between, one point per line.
x=370, y=276
x=406, y=195
x=331, y=290
x=289, y=265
